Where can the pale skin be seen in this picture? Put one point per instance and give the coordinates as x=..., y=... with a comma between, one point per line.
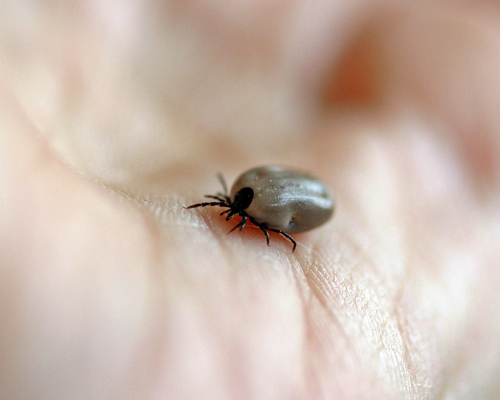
x=115, y=116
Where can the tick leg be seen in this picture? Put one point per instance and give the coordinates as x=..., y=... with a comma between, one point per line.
x=286, y=235
x=222, y=199
x=211, y=204
x=262, y=227
x=225, y=197
x=265, y=233
x=225, y=212
x=223, y=183
x=243, y=222
x=230, y=215
x=239, y=225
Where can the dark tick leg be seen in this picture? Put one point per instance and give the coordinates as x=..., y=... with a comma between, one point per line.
x=241, y=224
x=225, y=212
x=211, y=204
x=231, y=214
x=265, y=233
x=262, y=227
x=286, y=235
x=221, y=199
x=224, y=196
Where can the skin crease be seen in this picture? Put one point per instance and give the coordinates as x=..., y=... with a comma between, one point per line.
x=115, y=115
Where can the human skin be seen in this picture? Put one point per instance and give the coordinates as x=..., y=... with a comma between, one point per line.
x=115, y=116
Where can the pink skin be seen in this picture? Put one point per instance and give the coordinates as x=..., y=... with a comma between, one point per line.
x=114, y=115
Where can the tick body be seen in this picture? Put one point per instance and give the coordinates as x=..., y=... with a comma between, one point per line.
x=275, y=199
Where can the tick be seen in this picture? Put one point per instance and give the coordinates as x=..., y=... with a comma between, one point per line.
x=275, y=199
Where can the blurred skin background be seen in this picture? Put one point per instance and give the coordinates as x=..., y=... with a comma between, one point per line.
x=116, y=114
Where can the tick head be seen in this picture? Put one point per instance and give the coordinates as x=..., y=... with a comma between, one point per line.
x=243, y=199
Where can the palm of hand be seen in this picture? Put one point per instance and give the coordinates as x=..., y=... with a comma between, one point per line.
x=118, y=291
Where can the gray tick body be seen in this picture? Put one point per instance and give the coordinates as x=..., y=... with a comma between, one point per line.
x=275, y=199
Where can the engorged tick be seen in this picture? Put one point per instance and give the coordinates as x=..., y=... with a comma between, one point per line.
x=275, y=199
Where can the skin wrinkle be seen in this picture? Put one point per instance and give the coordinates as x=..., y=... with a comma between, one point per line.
x=323, y=289
x=412, y=382
x=321, y=294
x=430, y=272
x=410, y=350
x=410, y=369
x=328, y=288
x=313, y=342
x=310, y=374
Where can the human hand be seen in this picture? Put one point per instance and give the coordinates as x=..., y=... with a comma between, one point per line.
x=116, y=116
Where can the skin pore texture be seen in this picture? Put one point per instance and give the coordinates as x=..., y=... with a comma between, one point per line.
x=115, y=115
